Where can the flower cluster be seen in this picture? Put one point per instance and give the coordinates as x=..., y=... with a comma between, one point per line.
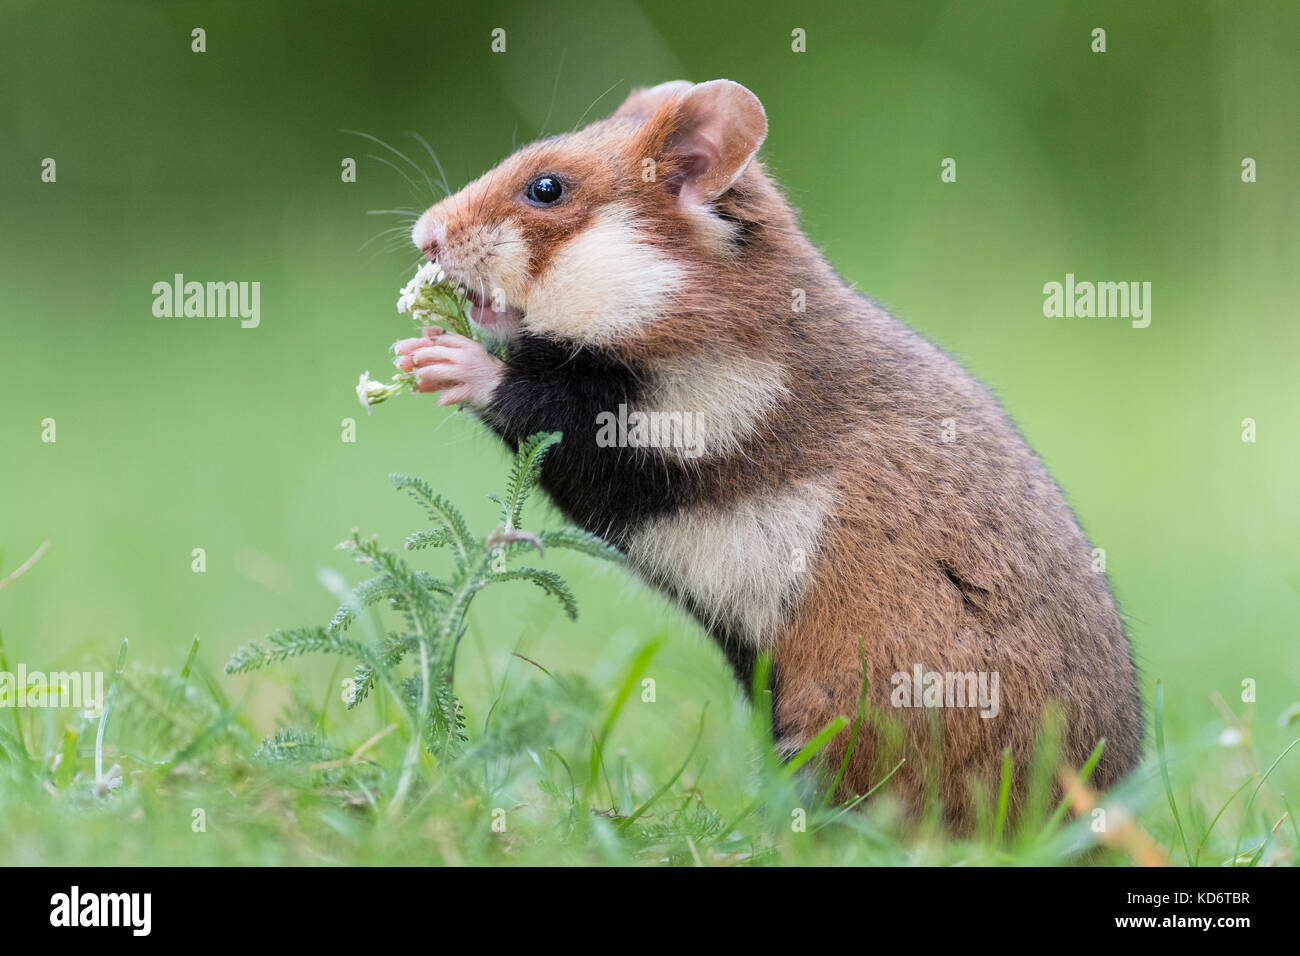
x=430, y=296
x=427, y=275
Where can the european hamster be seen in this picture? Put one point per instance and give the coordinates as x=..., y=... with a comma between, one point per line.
x=853, y=496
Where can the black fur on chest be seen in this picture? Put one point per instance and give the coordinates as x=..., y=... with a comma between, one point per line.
x=610, y=491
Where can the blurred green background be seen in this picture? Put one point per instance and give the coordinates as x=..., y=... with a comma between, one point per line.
x=175, y=434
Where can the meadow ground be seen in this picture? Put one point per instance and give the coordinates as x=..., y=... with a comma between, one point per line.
x=518, y=762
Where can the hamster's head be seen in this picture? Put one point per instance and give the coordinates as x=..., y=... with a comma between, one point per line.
x=590, y=237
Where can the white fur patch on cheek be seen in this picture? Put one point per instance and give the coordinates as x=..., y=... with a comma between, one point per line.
x=604, y=283
x=505, y=265
x=745, y=565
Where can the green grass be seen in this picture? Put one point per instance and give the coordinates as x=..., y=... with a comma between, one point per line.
x=533, y=767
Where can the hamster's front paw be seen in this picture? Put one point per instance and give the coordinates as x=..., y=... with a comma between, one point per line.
x=460, y=368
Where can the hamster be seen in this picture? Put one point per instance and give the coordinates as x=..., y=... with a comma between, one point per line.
x=854, y=504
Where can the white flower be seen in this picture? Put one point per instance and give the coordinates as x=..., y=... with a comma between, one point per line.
x=371, y=392
x=428, y=276
x=368, y=389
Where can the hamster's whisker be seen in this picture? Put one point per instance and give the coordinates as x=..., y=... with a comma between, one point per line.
x=398, y=153
x=592, y=104
x=487, y=189
x=555, y=88
x=390, y=232
x=446, y=186
x=392, y=246
x=401, y=172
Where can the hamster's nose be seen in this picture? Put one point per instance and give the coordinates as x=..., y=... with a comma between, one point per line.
x=425, y=235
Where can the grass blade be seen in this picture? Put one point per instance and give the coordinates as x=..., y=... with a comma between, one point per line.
x=1164, y=766
x=699, y=734
x=1004, y=796
x=1210, y=829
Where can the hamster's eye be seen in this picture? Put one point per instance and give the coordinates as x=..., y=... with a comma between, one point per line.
x=544, y=190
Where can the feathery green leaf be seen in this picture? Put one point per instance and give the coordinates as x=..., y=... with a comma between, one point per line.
x=293, y=642
x=524, y=475
x=548, y=581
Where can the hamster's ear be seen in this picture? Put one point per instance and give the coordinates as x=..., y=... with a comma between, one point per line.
x=644, y=101
x=707, y=135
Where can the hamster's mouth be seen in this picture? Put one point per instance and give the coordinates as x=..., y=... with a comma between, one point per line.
x=498, y=323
